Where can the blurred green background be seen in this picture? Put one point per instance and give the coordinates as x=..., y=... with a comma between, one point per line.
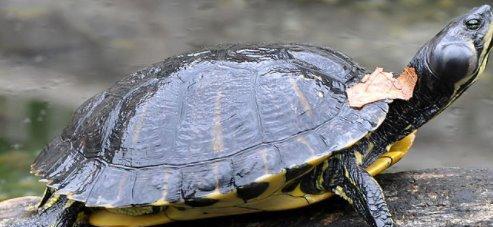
x=56, y=54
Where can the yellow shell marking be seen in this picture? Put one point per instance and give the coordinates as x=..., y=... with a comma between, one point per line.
x=307, y=108
x=277, y=201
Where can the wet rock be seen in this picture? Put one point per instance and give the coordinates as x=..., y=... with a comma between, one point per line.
x=22, y=204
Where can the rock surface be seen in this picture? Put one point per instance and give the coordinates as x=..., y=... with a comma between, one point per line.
x=433, y=197
x=7, y=211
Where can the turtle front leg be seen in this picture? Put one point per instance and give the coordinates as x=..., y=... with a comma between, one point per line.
x=350, y=181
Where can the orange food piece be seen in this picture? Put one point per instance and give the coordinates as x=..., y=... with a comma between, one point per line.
x=381, y=85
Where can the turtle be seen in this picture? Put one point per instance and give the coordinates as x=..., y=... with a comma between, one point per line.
x=246, y=128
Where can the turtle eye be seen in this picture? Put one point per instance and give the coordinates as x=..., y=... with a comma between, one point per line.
x=473, y=24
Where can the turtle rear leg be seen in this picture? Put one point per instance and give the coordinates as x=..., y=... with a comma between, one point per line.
x=62, y=212
x=53, y=210
x=350, y=181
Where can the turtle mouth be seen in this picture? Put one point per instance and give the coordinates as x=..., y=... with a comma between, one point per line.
x=485, y=55
x=489, y=35
x=490, y=44
x=488, y=49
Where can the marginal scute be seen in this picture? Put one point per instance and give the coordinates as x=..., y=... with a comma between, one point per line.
x=78, y=184
x=113, y=186
x=198, y=181
x=149, y=186
x=264, y=160
x=241, y=121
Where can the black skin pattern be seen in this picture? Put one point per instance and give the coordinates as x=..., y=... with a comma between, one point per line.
x=97, y=156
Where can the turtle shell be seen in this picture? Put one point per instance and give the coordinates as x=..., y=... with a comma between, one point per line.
x=211, y=122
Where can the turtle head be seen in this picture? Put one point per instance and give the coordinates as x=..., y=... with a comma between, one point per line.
x=455, y=57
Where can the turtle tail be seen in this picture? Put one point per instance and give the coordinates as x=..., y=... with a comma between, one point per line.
x=51, y=210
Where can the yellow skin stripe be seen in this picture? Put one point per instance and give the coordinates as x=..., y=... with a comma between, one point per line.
x=277, y=201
